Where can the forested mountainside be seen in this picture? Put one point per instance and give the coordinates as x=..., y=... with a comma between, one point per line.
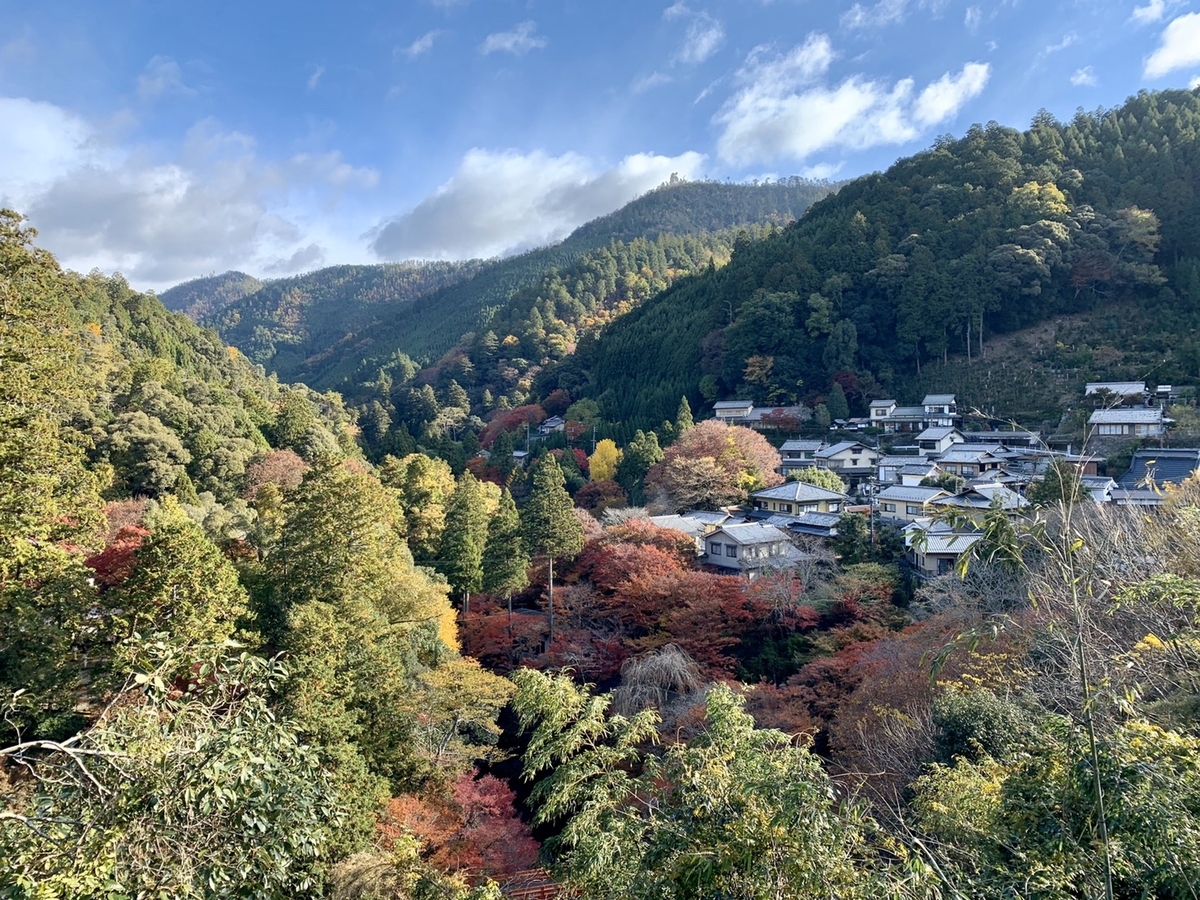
x=258, y=689
x=207, y=296
x=148, y=475
x=975, y=237
x=329, y=327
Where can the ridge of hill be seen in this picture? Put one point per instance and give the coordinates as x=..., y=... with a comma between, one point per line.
x=326, y=327
x=881, y=282
x=206, y=296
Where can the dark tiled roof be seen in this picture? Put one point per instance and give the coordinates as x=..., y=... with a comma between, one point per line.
x=1163, y=466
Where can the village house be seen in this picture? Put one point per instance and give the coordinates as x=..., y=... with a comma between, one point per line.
x=1165, y=465
x=1128, y=422
x=796, y=498
x=937, y=439
x=934, y=548
x=794, y=455
x=968, y=461
x=1116, y=393
x=901, y=503
x=935, y=411
x=552, y=425
x=749, y=549
x=696, y=524
x=941, y=410
x=888, y=468
x=975, y=502
x=733, y=412
x=853, y=462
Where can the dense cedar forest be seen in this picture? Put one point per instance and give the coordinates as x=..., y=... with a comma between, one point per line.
x=262, y=640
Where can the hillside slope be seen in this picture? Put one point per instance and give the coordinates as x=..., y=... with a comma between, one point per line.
x=323, y=327
x=974, y=237
x=207, y=296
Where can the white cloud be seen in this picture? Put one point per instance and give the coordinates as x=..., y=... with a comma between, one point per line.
x=704, y=37
x=676, y=11
x=498, y=203
x=518, y=42
x=885, y=12
x=1084, y=77
x=973, y=17
x=162, y=76
x=1178, y=47
x=215, y=204
x=946, y=96
x=781, y=113
x=315, y=78
x=1153, y=11
x=649, y=82
x=421, y=45
x=1067, y=40
x=821, y=171
x=1194, y=83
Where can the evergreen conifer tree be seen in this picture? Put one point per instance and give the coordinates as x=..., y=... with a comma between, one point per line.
x=505, y=559
x=549, y=521
x=683, y=418
x=464, y=539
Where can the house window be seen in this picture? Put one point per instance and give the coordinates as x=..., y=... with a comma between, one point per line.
x=945, y=566
x=889, y=507
x=714, y=548
x=913, y=510
x=968, y=470
x=786, y=507
x=731, y=550
x=774, y=551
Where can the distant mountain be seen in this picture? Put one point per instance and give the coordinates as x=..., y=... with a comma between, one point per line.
x=202, y=297
x=296, y=327
x=332, y=327
x=878, y=285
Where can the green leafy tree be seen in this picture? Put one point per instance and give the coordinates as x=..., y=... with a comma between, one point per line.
x=189, y=788
x=815, y=475
x=822, y=417
x=181, y=584
x=1061, y=483
x=549, y=523
x=736, y=812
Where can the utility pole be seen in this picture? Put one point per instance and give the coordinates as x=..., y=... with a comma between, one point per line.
x=593, y=440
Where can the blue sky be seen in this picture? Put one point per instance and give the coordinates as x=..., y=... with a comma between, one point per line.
x=168, y=140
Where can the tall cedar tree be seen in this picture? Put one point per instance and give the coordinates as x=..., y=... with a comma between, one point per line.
x=464, y=539
x=683, y=418
x=549, y=521
x=505, y=559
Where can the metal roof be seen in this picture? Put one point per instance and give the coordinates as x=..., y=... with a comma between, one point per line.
x=1150, y=416
x=802, y=446
x=749, y=533
x=841, y=447
x=938, y=400
x=913, y=494
x=798, y=492
x=882, y=404
x=937, y=433
x=1123, y=388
